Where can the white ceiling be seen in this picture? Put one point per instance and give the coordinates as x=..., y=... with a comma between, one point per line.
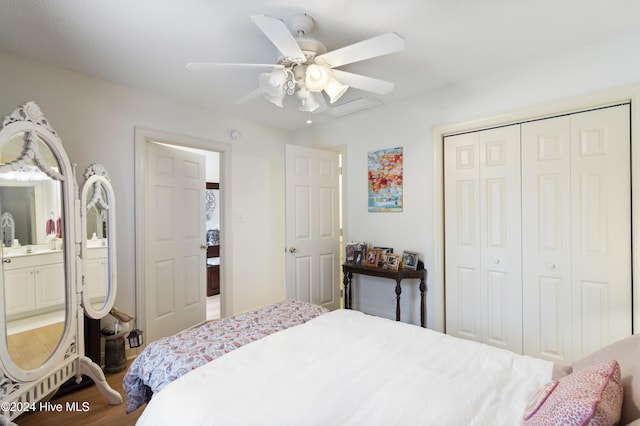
x=146, y=43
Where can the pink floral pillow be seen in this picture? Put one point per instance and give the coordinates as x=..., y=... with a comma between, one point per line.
x=592, y=396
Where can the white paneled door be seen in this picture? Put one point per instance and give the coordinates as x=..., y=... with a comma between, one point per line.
x=312, y=226
x=175, y=287
x=482, y=230
x=577, y=238
x=546, y=211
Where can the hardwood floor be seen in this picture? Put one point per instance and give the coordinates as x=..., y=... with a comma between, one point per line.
x=99, y=412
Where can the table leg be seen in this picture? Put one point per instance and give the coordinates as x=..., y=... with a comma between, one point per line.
x=346, y=284
x=398, y=291
x=422, y=287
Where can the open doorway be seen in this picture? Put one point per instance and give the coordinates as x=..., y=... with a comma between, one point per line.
x=161, y=295
x=212, y=207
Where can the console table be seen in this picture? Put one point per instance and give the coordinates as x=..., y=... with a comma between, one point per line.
x=348, y=269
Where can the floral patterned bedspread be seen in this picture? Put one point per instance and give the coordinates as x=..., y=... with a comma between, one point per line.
x=168, y=358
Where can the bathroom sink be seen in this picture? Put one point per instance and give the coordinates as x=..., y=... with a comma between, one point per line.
x=27, y=251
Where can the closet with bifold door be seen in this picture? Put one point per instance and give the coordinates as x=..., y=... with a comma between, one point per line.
x=538, y=234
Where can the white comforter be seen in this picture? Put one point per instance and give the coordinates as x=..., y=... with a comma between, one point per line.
x=348, y=368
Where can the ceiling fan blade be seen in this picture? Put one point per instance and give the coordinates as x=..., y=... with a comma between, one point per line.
x=279, y=34
x=198, y=66
x=362, y=82
x=366, y=49
x=250, y=97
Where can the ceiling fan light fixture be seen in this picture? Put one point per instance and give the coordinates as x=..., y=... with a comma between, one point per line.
x=309, y=105
x=335, y=90
x=307, y=102
x=317, y=77
x=272, y=82
x=275, y=99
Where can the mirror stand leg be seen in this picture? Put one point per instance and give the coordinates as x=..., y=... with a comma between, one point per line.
x=93, y=370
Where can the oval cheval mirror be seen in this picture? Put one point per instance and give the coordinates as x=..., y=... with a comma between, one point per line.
x=98, y=230
x=33, y=261
x=57, y=263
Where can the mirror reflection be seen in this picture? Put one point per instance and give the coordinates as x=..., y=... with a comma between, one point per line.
x=33, y=270
x=96, y=265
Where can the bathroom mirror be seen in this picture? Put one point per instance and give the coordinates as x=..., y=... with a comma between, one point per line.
x=41, y=280
x=32, y=206
x=98, y=229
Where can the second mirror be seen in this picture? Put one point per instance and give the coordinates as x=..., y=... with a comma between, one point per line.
x=98, y=229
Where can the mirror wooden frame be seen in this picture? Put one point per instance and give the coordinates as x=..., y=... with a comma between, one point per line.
x=20, y=389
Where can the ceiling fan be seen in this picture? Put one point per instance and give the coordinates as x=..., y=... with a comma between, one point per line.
x=306, y=68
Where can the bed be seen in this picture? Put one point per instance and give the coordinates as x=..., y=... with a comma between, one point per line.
x=349, y=368
x=168, y=358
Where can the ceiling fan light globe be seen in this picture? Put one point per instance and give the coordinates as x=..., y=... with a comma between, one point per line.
x=308, y=107
x=272, y=80
x=303, y=93
x=308, y=104
x=275, y=99
x=264, y=80
x=278, y=77
x=317, y=77
x=335, y=90
x=271, y=91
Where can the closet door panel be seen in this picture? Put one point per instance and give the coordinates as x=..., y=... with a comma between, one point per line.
x=500, y=236
x=594, y=314
x=553, y=321
x=497, y=309
x=601, y=204
x=462, y=250
x=466, y=318
x=546, y=239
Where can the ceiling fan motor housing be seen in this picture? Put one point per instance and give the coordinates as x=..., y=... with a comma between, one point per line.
x=300, y=24
x=311, y=48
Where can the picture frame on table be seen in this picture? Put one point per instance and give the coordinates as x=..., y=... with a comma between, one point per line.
x=350, y=251
x=361, y=247
x=382, y=260
x=371, y=259
x=410, y=260
x=393, y=261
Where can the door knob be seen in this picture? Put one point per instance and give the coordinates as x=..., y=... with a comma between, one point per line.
x=5, y=260
x=292, y=250
x=203, y=246
x=551, y=265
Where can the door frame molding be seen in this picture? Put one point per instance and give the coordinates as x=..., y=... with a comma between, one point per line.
x=612, y=96
x=143, y=136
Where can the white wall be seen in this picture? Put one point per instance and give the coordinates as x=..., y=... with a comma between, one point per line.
x=95, y=120
x=410, y=124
